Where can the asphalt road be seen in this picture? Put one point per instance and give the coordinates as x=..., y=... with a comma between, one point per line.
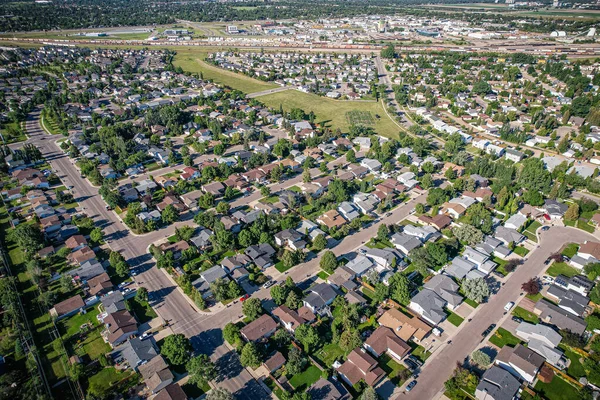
x=438, y=370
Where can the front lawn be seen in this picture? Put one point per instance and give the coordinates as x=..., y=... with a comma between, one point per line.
x=472, y=303
x=392, y=369
x=142, y=310
x=454, y=319
x=583, y=225
x=557, y=389
x=303, y=380
x=534, y=297
x=323, y=275
x=562, y=268
x=522, y=251
x=502, y=338
x=525, y=315
x=280, y=267
x=421, y=353
x=570, y=250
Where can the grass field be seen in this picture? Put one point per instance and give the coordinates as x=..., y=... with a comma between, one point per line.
x=557, y=389
x=562, y=268
x=193, y=61
x=525, y=315
x=455, y=319
x=570, y=250
x=392, y=369
x=332, y=113
x=303, y=380
x=502, y=338
x=328, y=354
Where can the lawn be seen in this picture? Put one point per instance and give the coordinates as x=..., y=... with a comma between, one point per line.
x=274, y=388
x=557, y=389
x=502, y=338
x=142, y=310
x=108, y=377
x=332, y=112
x=562, y=268
x=530, y=229
x=570, y=250
x=575, y=368
x=534, y=297
x=323, y=275
x=328, y=354
x=87, y=340
x=193, y=61
x=193, y=391
x=303, y=380
x=581, y=224
x=392, y=369
x=522, y=251
x=472, y=303
x=454, y=319
x=280, y=267
x=525, y=315
x=12, y=133
x=421, y=353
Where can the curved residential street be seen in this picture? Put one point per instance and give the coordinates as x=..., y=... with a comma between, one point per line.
x=437, y=370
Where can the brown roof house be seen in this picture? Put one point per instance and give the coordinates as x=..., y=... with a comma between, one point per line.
x=326, y=389
x=82, y=255
x=99, y=284
x=171, y=392
x=156, y=374
x=405, y=327
x=439, y=221
x=67, y=307
x=384, y=340
x=289, y=318
x=360, y=366
x=331, y=219
x=261, y=328
x=75, y=242
x=274, y=362
x=119, y=326
x=520, y=361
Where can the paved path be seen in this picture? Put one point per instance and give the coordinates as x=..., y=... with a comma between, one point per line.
x=438, y=370
x=269, y=91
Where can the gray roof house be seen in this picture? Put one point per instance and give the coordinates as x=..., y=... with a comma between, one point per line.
x=321, y=295
x=261, y=255
x=326, y=389
x=562, y=319
x=87, y=270
x=497, y=384
x=202, y=239
x=359, y=265
x=508, y=235
x=113, y=302
x=569, y=300
x=543, y=340
x=136, y=351
x=405, y=243
x=348, y=210
x=439, y=292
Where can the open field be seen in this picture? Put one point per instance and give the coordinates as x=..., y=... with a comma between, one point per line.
x=193, y=61
x=332, y=113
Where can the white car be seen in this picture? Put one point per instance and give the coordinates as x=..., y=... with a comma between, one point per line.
x=509, y=305
x=268, y=284
x=548, y=279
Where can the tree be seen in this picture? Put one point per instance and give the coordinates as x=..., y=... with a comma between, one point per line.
x=289, y=258
x=296, y=361
x=369, y=394
x=350, y=339
x=468, y=234
x=279, y=294
x=142, y=294
x=282, y=338
x=176, y=348
x=66, y=283
x=169, y=214
x=476, y=289
x=219, y=394
x=351, y=156
x=388, y=52
x=480, y=358
x=96, y=235
x=250, y=356
x=593, y=322
x=400, y=288
x=28, y=237
x=122, y=269
x=572, y=339
x=531, y=287
x=328, y=262
x=308, y=336
x=427, y=181
x=231, y=333
x=320, y=242
x=382, y=232
x=572, y=213
x=292, y=300
x=223, y=207
x=201, y=370
x=252, y=308
x=306, y=176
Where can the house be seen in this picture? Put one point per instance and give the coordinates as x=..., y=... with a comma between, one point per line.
x=290, y=238
x=508, y=235
x=274, y=362
x=367, y=203
x=513, y=155
x=290, y=319
x=67, y=307
x=261, y=255
x=202, y=239
x=360, y=366
x=113, y=302
x=359, y=265
x=87, y=270
x=189, y=173
x=554, y=209
x=497, y=384
x=137, y=351
x=405, y=243
x=328, y=389
x=405, y=327
x=156, y=374
x=543, y=340
x=202, y=284
x=520, y=361
x=342, y=278
x=261, y=328
x=589, y=251
x=215, y=188
x=577, y=283
x=119, y=326
x=348, y=210
x=439, y=221
x=516, y=221
x=331, y=219
x=170, y=200
x=384, y=340
x=569, y=300
x=146, y=186
x=171, y=392
x=320, y=297
x=423, y=233
x=562, y=319
x=439, y=292
x=75, y=242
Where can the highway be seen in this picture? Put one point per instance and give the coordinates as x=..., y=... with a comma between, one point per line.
x=439, y=369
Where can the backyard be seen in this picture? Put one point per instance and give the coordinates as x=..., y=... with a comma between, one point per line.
x=303, y=380
x=142, y=310
x=557, y=389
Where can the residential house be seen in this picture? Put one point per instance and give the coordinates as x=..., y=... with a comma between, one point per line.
x=136, y=351
x=543, y=340
x=569, y=300
x=405, y=243
x=360, y=366
x=342, y=277
x=406, y=327
x=497, y=384
x=331, y=219
x=274, y=362
x=516, y=221
x=261, y=328
x=521, y=362
x=171, y=392
x=67, y=307
x=384, y=340
x=348, y=210
x=262, y=254
x=290, y=319
x=119, y=326
x=320, y=297
x=156, y=374
x=438, y=293
x=561, y=318
x=328, y=389
x=290, y=238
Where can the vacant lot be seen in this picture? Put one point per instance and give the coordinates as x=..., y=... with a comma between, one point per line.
x=332, y=113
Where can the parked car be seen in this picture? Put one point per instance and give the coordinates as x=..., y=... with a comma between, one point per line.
x=517, y=319
x=410, y=386
x=547, y=278
x=545, y=228
x=268, y=284
x=410, y=364
x=488, y=330
x=509, y=305
x=245, y=297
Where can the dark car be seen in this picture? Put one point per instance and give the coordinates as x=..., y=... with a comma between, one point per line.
x=517, y=319
x=488, y=330
x=410, y=386
x=411, y=364
x=545, y=228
